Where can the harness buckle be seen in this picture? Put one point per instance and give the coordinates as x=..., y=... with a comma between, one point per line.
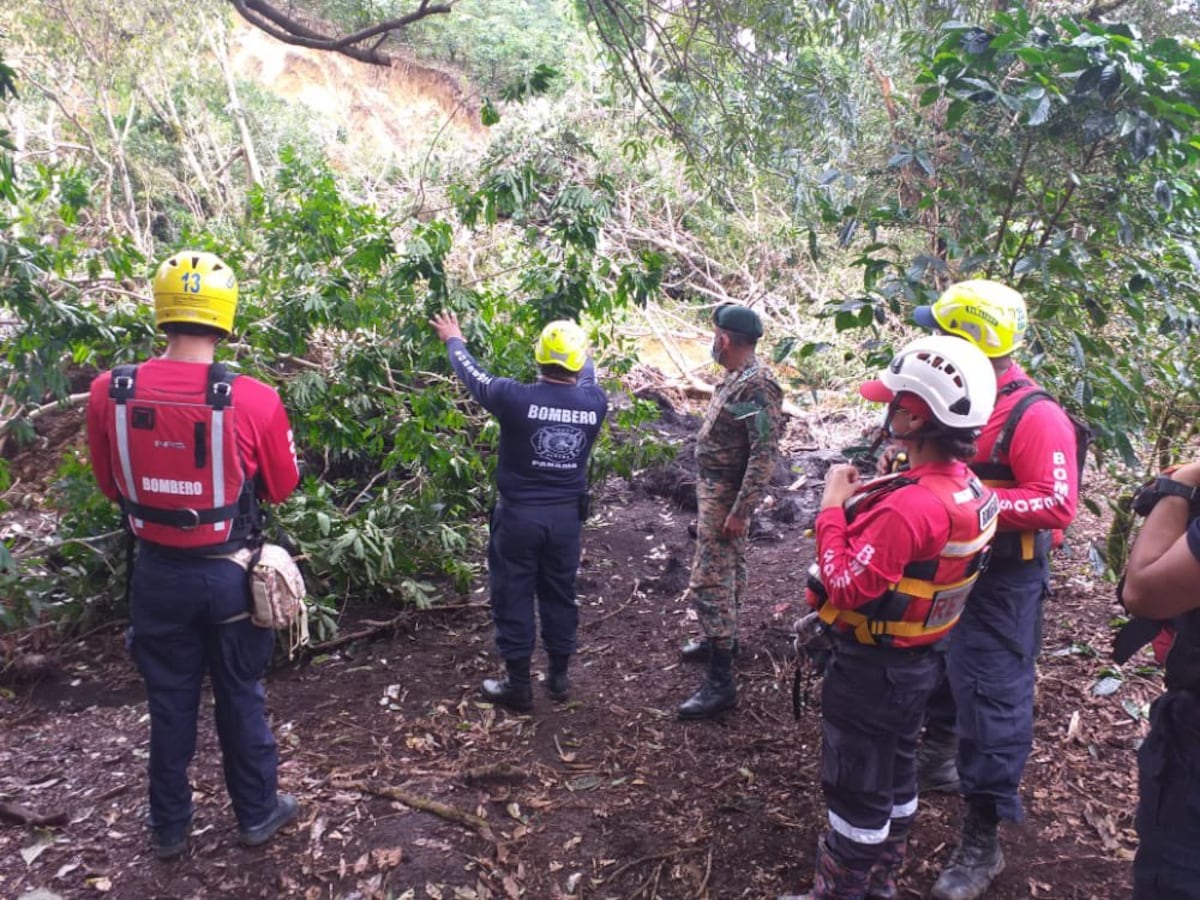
x=195, y=516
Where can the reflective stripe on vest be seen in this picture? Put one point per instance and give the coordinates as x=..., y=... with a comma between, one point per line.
x=923, y=606
x=122, y=388
x=218, y=461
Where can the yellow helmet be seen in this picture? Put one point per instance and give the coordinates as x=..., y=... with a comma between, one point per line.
x=196, y=287
x=562, y=343
x=990, y=315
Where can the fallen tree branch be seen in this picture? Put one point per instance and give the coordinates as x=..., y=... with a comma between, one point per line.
x=425, y=804
x=494, y=771
x=22, y=815
x=702, y=891
x=65, y=403
x=378, y=628
x=619, y=609
x=653, y=857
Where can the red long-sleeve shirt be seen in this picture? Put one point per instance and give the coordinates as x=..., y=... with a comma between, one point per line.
x=1041, y=456
x=264, y=435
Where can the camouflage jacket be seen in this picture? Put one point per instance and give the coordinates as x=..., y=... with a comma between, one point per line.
x=740, y=434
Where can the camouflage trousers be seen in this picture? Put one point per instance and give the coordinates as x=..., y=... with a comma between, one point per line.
x=719, y=569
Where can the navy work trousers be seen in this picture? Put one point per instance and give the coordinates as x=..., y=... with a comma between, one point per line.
x=1167, y=866
x=533, y=552
x=872, y=705
x=179, y=608
x=991, y=674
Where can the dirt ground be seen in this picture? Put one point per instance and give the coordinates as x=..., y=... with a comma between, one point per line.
x=412, y=787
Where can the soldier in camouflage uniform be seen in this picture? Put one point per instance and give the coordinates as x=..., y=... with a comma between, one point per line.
x=735, y=452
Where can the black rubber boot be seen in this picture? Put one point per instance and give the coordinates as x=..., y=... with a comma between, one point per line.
x=937, y=768
x=975, y=861
x=700, y=649
x=718, y=693
x=514, y=690
x=558, y=685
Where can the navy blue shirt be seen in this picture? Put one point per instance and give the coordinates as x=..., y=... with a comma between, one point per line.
x=546, y=429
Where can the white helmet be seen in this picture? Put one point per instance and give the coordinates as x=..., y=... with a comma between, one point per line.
x=950, y=374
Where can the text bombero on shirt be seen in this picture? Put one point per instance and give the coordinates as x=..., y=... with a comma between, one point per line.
x=554, y=414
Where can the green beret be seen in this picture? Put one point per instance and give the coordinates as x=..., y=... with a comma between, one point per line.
x=740, y=319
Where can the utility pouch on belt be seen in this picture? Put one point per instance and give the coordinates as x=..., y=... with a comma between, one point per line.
x=277, y=595
x=585, y=506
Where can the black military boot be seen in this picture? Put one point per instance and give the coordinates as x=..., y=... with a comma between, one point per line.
x=515, y=689
x=700, y=649
x=975, y=861
x=937, y=767
x=558, y=685
x=718, y=691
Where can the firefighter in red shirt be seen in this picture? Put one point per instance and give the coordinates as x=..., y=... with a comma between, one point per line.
x=984, y=707
x=896, y=559
x=188, y=450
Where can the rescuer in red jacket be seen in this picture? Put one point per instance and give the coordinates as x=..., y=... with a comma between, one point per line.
x=984, y=708
x=896, y=559
x=188, y=450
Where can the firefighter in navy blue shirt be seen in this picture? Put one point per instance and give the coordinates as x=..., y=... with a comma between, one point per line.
x=547, y=430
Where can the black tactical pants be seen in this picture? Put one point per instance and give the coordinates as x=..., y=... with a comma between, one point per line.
x=872, y=708
x=533, y=553
x=1167, y=866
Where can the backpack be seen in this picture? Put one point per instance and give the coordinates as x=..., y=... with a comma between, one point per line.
x=1084, y=435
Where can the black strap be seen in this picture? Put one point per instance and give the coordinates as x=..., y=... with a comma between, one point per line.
x=1165, y=485
x=130, y=542
x=1133, y=636
x=120, y=387
x=219, y=393
x=1004, y=441
x=181, y=518
x=200, y=444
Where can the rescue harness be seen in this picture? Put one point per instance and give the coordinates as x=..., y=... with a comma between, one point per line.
x=922, y=607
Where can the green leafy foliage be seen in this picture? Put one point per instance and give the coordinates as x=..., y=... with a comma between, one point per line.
x=336, y=293
x=1054, y=155
x=498, y=42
